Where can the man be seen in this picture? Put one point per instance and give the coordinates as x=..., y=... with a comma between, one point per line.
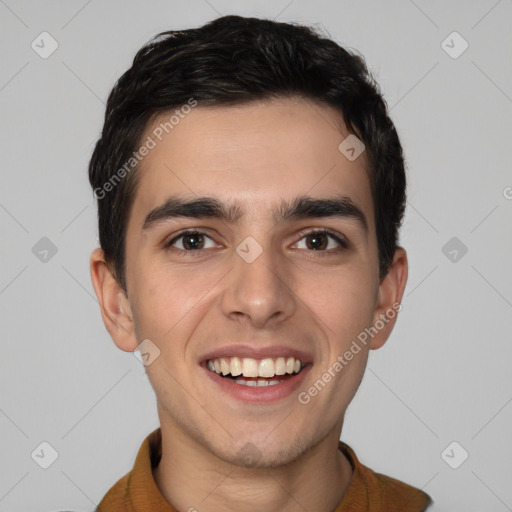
x=250, y=191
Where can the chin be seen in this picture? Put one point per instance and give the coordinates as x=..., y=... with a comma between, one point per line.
x=263, y=454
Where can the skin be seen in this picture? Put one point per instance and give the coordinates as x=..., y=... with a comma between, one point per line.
x=254, y=155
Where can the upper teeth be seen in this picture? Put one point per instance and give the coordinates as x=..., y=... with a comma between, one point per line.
x=254, y=367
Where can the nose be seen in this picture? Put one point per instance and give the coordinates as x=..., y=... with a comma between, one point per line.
x=259, y=291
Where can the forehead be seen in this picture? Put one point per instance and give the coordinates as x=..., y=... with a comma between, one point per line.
x=255, y=154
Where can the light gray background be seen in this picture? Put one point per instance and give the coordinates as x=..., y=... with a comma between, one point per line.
x=445, y=373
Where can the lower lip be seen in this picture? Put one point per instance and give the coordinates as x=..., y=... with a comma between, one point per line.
x=261, y=394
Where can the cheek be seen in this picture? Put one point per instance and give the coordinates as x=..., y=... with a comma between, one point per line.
x=342, y=299
x=168, y=302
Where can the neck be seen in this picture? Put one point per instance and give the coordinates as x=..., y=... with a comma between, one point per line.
x=191, y=477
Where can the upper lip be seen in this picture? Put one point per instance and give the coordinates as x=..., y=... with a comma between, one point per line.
x=244, y=350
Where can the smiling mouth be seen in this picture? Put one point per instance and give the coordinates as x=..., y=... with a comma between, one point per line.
x=256, y=372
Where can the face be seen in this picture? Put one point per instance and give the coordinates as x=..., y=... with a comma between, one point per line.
x=276, y=293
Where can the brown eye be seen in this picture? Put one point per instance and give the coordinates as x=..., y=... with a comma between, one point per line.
x=321, y=240
x=190, y=241
x=193, y=241
x=316, y=241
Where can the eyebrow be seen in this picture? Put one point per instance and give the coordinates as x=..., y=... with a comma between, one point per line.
x=299, y=208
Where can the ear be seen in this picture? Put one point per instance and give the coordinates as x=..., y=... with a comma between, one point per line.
x=114, y=304
x=391, y=290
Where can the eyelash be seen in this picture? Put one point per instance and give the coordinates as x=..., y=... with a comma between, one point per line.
x=195, y=252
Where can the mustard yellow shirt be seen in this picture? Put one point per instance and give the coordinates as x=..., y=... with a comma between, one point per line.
x=368, y=491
